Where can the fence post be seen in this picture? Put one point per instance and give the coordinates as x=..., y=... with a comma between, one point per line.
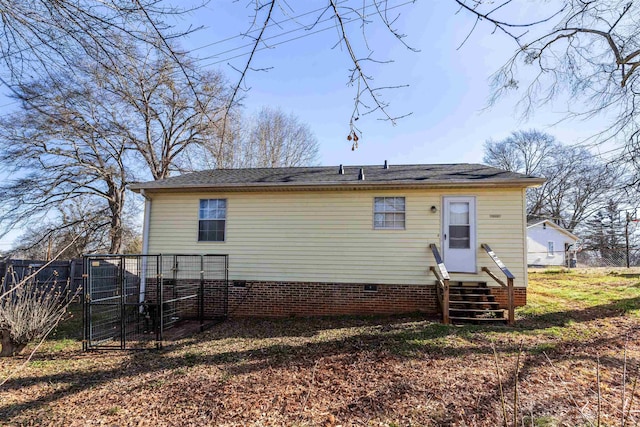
x=85, y=304
x=3, y=270
x=160, y=300
x=226, y=285
x=123, y=307
x=201, y=305
x=626, y=237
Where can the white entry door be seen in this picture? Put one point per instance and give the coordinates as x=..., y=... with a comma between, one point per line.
x=459, y=234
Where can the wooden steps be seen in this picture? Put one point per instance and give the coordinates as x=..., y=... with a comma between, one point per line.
x=472, y=302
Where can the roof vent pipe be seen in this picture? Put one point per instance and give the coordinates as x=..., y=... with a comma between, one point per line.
x=341, y=170
x=361, y=175
x=386, y=165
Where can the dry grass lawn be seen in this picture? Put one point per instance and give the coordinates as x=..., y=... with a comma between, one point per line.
x=373, y=371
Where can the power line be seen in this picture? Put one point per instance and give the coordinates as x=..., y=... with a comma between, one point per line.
x=301, y=28
x=283, y=33
x=292, y=18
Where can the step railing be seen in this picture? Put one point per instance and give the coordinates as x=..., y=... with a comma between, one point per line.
x=509, y=285
x=442, y=283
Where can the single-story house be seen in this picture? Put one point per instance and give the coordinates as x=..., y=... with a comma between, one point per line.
x=549, y=244
x=346, y=239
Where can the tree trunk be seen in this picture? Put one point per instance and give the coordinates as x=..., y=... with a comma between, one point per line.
x=9, y=347
x=116, y=235
x=116, y=206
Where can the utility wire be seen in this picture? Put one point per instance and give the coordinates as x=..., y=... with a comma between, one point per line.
x=283, y=33
x=347, y=14
x=278, y=23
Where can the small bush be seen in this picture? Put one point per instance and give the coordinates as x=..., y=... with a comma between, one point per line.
x=28, y=312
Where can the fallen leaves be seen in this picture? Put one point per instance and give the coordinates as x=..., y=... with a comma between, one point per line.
x=376, y=371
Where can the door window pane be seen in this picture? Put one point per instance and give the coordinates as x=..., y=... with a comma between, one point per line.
x=459, y=226
x=459, y=213
x=459, y=237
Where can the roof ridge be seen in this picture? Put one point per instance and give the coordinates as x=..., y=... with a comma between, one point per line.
x=381, y=165
x=421, y=175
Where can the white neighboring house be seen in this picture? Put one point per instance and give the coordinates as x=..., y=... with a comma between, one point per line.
x=550, y=244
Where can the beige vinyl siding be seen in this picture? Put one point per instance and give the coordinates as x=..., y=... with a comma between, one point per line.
x=328, y=236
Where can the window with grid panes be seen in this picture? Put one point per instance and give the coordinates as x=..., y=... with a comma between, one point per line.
x=212, y=220
x=389, y=213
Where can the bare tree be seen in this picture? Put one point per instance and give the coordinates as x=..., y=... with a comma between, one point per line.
x=166, y=115
x=529, y=152
x=227, y=151
x=86, y=135
x=279, y=140
x=41, y=43
x=60, y=147
x=267, y=139
x=588, y=51
x=578, y=183
x=38, y=37
x=65, y=232
x=523, y=151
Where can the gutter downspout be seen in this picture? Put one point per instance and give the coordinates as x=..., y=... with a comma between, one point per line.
x=145, y=224
x=145, y=246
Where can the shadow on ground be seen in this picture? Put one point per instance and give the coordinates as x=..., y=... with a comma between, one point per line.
x=396, y=337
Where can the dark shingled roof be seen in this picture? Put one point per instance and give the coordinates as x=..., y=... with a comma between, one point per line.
x=327, y=176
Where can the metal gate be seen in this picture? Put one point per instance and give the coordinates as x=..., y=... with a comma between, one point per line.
x=130, y=301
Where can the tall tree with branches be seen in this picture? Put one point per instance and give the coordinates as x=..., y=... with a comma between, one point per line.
x=90, y=132
x=586, y=51
x=270, y=138
x=578, y=183
x=277, y=139
x=62, y=146
x=164, y=115
x=38, y=37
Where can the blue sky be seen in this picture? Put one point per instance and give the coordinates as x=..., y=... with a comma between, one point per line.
x=448, y=87
x=447, y=93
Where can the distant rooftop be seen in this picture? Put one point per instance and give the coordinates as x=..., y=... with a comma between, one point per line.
x=436, y=175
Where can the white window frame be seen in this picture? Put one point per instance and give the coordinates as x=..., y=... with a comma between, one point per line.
x=384, y=212
x=223, y=220
x=550, y=248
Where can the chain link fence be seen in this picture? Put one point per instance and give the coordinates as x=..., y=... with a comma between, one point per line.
x=616, y=257
x=613, y=257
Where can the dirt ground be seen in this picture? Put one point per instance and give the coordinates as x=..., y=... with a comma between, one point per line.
x=572, y=358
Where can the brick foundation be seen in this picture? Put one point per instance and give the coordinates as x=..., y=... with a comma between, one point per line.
x=277, y=299
x=520, y=296
x=282, y=299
